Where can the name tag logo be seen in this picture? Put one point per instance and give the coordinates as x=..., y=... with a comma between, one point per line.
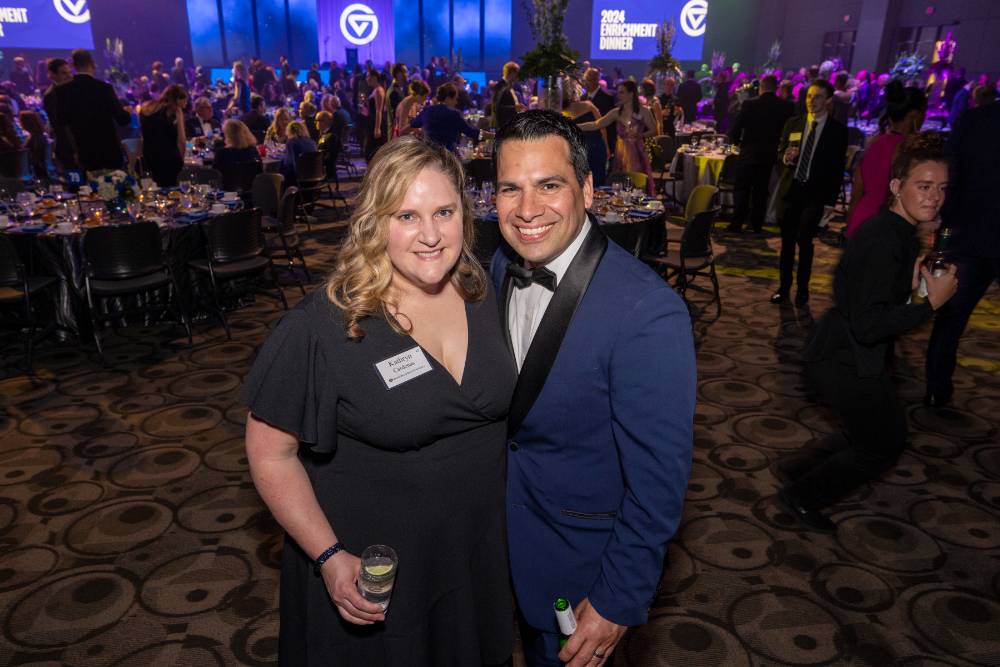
x=403, y=367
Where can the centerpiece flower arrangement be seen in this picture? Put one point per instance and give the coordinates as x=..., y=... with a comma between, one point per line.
x=552, y=57
x=664, y=63
x=908, y=67
x=116, y=188
x=773, y=61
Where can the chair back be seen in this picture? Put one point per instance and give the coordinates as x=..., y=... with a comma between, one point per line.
x=10, y=186
x=696, y=241
x=232, y=237
x=728, y=173
x=666, y=153
x=620, y=178
x=202, y=176
x=116, y=252
x=638, y=179
x=701, y=199
x=11, y=270
x=265, y=193
x=239, y=176
x=286, y=216
x=309, y=166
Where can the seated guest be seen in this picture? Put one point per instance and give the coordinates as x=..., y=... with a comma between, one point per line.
x=442, y=122
x=329, y=142
x=297, y=142
x=277, y=132
x=307, y=112
x=163, y=138
x=38, y=144
x=239, y=148
x=905, y=111
x=256, y=119
x=10, y=144
x=410, y=107
x=203, y=124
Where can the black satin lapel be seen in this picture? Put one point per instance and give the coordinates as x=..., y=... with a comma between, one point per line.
x=552, y=329
x=505, y=288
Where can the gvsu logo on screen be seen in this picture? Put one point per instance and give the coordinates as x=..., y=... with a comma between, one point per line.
x=693, y=17
x=74, y=11
x=358, y=24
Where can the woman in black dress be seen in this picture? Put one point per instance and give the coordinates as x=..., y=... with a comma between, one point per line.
x=163, y=140
x=849, y=356
x=377, y=416
x=378, y=118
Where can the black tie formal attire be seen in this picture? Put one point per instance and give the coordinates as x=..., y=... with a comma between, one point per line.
x=757, y=131
x=689, y=94
x=504, y=103
x=807, y=185
x=849, y=359
x=972, y=210
x=89, y=109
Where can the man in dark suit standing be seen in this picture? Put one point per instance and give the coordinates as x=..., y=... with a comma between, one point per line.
x=757, y=131
x=64, y=150
x=90, y=110
x=688, y=96
x=604, y=102
x=972, y=210
x=505, y=102
x=812, y=149
x=599, y=446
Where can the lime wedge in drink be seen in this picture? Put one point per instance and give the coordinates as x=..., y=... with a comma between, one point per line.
x=378, y=570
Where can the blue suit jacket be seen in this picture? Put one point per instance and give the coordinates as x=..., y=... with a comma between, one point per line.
x=598, y=467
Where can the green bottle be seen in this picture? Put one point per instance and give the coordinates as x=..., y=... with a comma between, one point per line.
x=565, y=618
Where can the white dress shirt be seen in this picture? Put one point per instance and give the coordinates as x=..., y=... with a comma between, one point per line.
x=527, y=305
x=206, y=127
x=820, y=124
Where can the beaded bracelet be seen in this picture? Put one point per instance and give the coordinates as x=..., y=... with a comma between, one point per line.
x=325, y=556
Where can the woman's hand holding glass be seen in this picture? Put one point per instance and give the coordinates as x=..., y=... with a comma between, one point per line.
x=340, y=575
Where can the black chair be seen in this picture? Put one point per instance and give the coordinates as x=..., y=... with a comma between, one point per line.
x=487, y=240
x=313, y=184
x=17, y=289
x=239, y=176
x=265, y=194
x=692, y=258
x=234, y=249
x=124, y=260
x=851, y=161
x=727, y=182
x=285, y=244
x=201, y=176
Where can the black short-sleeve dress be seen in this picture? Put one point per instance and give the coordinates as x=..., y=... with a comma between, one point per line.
x=419, y=466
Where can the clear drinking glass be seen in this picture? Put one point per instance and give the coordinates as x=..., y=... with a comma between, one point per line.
x=185, y=186
x=378, y=574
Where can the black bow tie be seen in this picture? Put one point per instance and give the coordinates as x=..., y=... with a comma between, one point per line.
x=523, y=277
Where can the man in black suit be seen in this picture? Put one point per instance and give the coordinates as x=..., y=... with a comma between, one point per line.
x=179, y=74
x=89, y=109
x=256, y=119
x=505, y=102
x=756, y=131
x=59, y=73
x=812, y=150
x=203, y=123
x=972, y=210
x=604, y=102
x=688, y=96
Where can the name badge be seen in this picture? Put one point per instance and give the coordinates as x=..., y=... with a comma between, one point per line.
x=795, y=136
x=403, y=367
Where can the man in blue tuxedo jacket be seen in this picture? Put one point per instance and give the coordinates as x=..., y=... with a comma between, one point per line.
x=600, y=425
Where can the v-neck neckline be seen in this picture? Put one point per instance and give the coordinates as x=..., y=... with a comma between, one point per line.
x=468, y=350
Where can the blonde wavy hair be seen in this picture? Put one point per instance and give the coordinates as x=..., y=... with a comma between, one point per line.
x=361, y=282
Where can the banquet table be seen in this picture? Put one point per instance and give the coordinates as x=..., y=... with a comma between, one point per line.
x=701, y=167
x=46, y=250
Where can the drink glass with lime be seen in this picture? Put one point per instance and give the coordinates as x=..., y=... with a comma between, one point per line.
x=378, y=574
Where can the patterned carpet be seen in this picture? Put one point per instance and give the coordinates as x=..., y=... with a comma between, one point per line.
x=130, y=533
